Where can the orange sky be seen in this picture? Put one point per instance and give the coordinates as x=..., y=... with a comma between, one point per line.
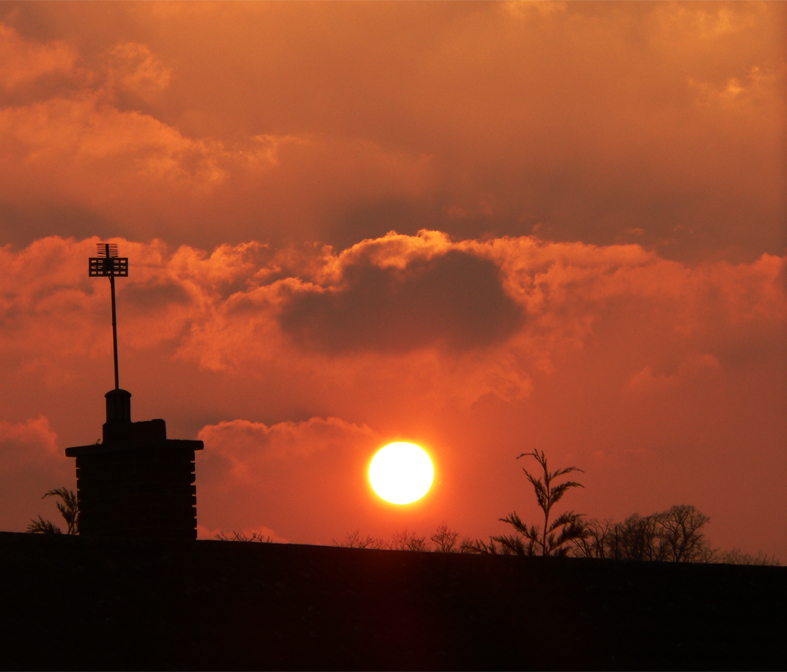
x=484, y=228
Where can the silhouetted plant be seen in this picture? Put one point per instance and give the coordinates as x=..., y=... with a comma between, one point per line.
x=675, y=535
x=639, y=538
x=597, y=540
x=467, y=545
x=69, y=510
x=408, y=541
x=42, y=526
x=445, y=539
x=258, y=537
x=553, y=538
x=636, y=538
x=354, y=540
x=490, y=548
x=681, y=534
x=735, y=556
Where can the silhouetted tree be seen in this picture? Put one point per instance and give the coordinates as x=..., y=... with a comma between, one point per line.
x=735, y=556
x=257, y=537
x=408, y=541
x=445, y=539
x=675, y=535
x=681, y=534
x=354, y=540
x=467, y=545
x=596, y=540
x=639, y=538
x=553, y=538
x=69, y=510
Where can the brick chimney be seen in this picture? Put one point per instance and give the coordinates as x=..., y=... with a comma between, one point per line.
x=136, y=482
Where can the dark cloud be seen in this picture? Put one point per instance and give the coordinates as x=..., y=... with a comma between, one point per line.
x=21, y=225
x=373, y=218
x=455, y=299
x=155, y=296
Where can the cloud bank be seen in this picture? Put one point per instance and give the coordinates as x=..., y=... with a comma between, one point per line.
x=608, y=355
x=657, y=124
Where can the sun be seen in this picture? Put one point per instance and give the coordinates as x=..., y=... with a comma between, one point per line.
x=401, y=473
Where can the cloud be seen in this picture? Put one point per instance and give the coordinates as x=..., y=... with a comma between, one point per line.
x=253, y=446
x=666, y=121
x=26, y=445
x=31, y=463
x=133, y=68
x=23, y=61
x=464, y=318
x=645, y=381
x=455, y=298
x=247, y=473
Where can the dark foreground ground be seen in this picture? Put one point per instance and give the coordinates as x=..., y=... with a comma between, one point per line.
x=78, y=603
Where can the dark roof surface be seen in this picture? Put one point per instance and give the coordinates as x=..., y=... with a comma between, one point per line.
x=81, y=603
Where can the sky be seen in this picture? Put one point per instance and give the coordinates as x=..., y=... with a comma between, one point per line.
x=487, y=229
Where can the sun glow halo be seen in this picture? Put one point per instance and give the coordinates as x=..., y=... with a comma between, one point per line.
x=401, y=473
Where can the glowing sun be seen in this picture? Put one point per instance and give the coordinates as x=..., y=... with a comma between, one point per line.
x=401, y=473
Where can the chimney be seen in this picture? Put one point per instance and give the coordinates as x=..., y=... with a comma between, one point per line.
x=118, y=407
x=136, y=482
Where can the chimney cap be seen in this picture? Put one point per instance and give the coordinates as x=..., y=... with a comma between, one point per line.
x=118, y=406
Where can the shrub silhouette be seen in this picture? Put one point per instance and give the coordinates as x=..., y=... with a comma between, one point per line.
x=735, y=556
x=258, y=537
x=407, y=541
x=675, y=535
x=445, y=540
x=354, y=540
x=554, y=537
x=69, y=510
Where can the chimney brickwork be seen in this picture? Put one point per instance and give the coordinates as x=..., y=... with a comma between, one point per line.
x=137, y=482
